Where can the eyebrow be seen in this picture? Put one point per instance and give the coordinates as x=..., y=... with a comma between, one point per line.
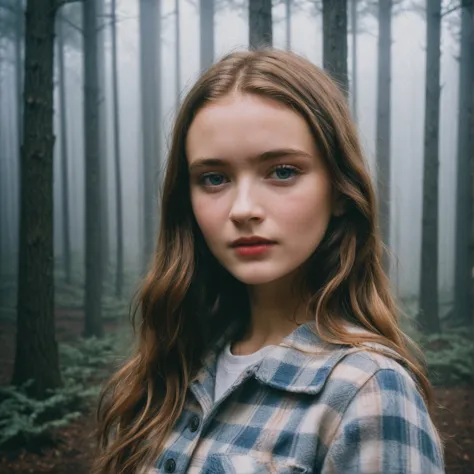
x=266, y=156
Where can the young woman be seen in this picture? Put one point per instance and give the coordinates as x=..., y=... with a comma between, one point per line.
x=268, y=338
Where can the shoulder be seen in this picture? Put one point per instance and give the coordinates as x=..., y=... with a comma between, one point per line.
x=375, y=384
x=384, y=424
x=357, y=366
x=305, y=363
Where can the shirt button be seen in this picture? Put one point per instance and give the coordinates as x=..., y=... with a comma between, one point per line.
x=170, y=465
x=194, y=424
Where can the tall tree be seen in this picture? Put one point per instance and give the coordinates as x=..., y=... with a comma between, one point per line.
x=19, y=28
x=19, y=38
x=2, y=175
x=177, y=53
x=118, y=168
x=36, y=354
x=354, y=31
x=428, y=305
x=206, y=31
x=93, y=205
x=64, y=152
x=260, y=23
x=103, y=155
x=384, y=77
x=471, y=259
x=288, y=24
x=150, y=61
x=463, y=264
x=335, y=41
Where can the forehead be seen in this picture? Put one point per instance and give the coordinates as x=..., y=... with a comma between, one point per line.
x=246, y=125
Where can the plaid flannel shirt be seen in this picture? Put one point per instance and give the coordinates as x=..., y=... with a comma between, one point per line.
x=306, y=407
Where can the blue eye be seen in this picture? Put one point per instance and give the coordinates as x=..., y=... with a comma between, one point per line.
x=212, y=179
x=284, y=172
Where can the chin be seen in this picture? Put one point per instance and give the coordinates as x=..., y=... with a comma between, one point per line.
x=257, y=276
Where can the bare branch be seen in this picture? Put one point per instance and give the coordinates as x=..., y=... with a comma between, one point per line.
x=458, y=5
x=60, y=3
x=71, y=24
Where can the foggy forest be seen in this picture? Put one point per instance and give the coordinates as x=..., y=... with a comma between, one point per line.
x=89, y=90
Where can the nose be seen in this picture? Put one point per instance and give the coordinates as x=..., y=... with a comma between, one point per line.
x=245, y=207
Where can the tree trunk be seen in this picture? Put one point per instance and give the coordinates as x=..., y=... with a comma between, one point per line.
x=397, y=222
x=64, y=154
x=260, y=23
x=206, y=21
x=3, y=159
x=150, y=61
x=177, y=54
x=12, y=186
x=428, y=310
x=384, y=77
x=19, y=82
x=118, y=170
x=335, y=41
x=36, y=348
x=463, y=281
x=354, y=59
x=471, y=257
x=19, y=36
x=103, y=156
x=93, y=207
x=288, y=24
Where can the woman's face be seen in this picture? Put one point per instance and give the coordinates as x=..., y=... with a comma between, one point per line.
x=255, y=173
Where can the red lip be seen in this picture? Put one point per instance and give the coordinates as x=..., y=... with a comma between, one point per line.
x=249, y=241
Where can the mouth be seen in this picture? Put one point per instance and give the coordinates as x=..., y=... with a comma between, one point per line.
x=251, y=241
x=252, y=246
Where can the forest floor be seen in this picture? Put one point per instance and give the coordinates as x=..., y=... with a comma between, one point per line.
x=72, y=452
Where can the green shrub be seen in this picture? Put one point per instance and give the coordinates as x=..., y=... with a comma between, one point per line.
x=449, y=356
x=27, y=422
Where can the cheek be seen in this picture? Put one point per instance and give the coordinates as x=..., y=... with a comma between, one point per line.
x=307, y=212
x=209, y=214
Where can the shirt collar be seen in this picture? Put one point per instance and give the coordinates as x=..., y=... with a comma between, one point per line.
x=300, y=363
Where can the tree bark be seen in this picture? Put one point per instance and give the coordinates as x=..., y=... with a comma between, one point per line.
x=19, y=80
x=103, y=155
x=93, y=207
x=150, y=63
x=428, y=307
x=118, y=168
x=36, y=355
x=384, y=78
x=471, y=257
x=463, y=264
x=288, y=24
x=3, y=222
x=177, y=54
x=354, y=59
x=206, y=23
x=335, y=41
x=19, y=37
x=260, y=23
x=64, y=155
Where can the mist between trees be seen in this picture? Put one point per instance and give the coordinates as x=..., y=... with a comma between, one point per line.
x=87, y=98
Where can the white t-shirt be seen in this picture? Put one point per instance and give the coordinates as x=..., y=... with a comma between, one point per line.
x=229, y=368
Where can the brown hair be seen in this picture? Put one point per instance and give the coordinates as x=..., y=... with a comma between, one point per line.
x=188, y=299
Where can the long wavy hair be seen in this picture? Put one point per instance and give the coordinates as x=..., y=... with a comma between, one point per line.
x=188, y=299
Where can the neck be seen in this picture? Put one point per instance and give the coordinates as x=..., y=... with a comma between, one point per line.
x=275, y=313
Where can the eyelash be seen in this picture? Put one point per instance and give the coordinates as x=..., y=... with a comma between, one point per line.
x=293, y=169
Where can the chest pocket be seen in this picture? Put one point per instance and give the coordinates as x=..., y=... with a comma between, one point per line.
x=246, y=464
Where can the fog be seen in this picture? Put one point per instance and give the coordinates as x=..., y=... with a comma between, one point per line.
x=63, y=321
x=231, y=33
